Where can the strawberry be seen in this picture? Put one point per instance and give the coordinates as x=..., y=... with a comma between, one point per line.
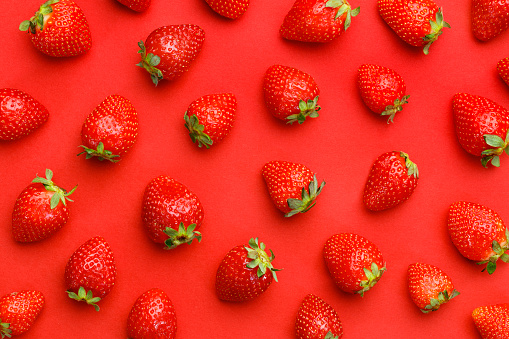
x=429, y=286
x=317, y=320
x=503, y=69
x=489, y=18
x=354, y=263
x=492, y=321
x=317, y=20
x=382, y=90
x=152, y=316
x=59, y=29
x=482, y=127
x=18, y=311
x=172, y=214
x=210, y=118
x=40, y=210
x=20, y=114
x=90, y=272
x=231, y=9
x=479, y=233
x=136, y=5
x=293, y=188
x=169, y=50
x=392, y=179
x=417, y=22
x=110, y=130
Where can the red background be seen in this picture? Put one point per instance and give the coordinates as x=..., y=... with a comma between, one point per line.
x=339, y=146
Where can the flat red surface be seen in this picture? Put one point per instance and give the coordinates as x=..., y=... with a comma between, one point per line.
x=339, y=146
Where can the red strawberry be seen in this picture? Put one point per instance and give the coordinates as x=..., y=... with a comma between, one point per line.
x=231, y=9
x=317, y=20
x=40, y=210
x=392, y=179
x=489, y=18
x=503, y=69
x=169, y=50
x=482, y=127
x=293, y=188
x=20, y=114
x=152, y=316
x=136, y=5
x=210, y=118
x=317, y=320
x=492, y=321
x=18, y=311
x=110, y=130
x=479, y=233
x=417, y=22
x=245, y=272
x=429, y=286
x=90, y=272
x=59, y=29
x=382, y=90
x=172, y=214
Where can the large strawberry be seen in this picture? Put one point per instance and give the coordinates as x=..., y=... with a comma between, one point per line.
x=293, y=188
x=20, y=114
x=18, y=312
x=417, y=22
x=40, y=210
x=503, y=69
x=171, y=214
x=392, y=179
x=317, y=20
x=489, y=18
x=245, y=272
x=90, y=272
x=354, y=263
x=110, y=130
x=59, y=29
x=492, y=321
x=210, y=118
x=169, y=50
x=231, y=9
x=136, y=5
x=482, y=127
x=317, y=320
x=479, y=233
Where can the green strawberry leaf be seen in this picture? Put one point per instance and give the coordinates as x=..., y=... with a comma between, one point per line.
x=307, y=200
x=260, y=258
x=184, y=235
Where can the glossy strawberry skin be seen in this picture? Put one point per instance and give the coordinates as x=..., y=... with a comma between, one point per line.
x=316, y=318
x=19, y=310
x=136, y=5
x=231, y=9
x=489, y=18
x=492, y=321
x=503, y=69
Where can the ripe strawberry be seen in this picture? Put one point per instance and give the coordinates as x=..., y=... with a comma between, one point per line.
x=392, y=179
x=489, y=18
x=18, y=311
x=354, y=263
x=317, y=320
x=317, y=20
x=245, y=272
x=169, y=50
x=492, y=321
x=231, y=9
x=417, y=22
x=503, y=69
x=40, y=210
x=482, y=127
x=210, y=118
x=429, y=286
x=20, y=114
x=110, y=130
x=90, y=272
x=152, y=316
x=382, y=90
x=172, y=214
x=479, y=233
x=293, y=188
x=59, y=29
x=136, y=5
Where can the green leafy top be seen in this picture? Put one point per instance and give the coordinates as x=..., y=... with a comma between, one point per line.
x=196, y=131
x=149, y=62
x=343, y=7
x=37, y=21
x=500, y=253
x=492, y=154
x=436, y=30
x=373, y=275
x=260, y=258
x=5, y=331
x=100, y=153
x=330, y=335
x=307, y=199
x=308, y=108
x=391, y=110
x=83, y=295
x=411, y=166
x=442, y=298
x=60, y=194
x=184, y=235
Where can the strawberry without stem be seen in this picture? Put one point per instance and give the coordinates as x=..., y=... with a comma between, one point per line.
x=489, y=18
x=492, y=321
x=503, y=69
x=231, y=9
x=136, y=5
x=18, y=312
x=317, y=320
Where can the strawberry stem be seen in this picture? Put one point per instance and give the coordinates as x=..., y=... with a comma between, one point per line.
x=500, y=253
x=492, y=154
x=5, y=331
x=436, y=30
x=100, y=153
x=148, y=62
x=83, y=295
x=411, y=166
x=260, y=258
x=343, y=8
x=182, y=236
x=391, y=110
x=308, y=108
x=372, y=277
x=37, y=21
x=442, y=298
x=60, y=194
x=307, y=199
x=196, y=131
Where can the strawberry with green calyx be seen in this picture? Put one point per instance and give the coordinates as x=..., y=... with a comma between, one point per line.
x=18, y=312
x=181, y=236
x=85, y=296
x=100, y=153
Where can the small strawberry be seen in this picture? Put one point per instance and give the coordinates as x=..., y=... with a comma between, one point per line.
x=392, y=179
x=317, y=320
x=18, y=311
x=172, y=214
x=489, y=18
x=503, y=69
x=429, y=286
x=90, y=272
x=231, y=9
x=110, y=130
x=417, y=22
x=382, y=90
x=20, y=114
x=317, y=20
x=169, y=50
x=152, y=316
x=136, y=5
x=40, y=210
x=354, y=263
x=479, y=233
x=210, y=118
x=293, y=188
x=492, y=321
x=482, y=127
x=59, y=29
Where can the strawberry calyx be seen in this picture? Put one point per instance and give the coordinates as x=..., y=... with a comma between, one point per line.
x=307, y=109
x=436, y=30
x=307, y=198
x=196, y=131
x=60, y=194
x=83, y=295
x=501, y=252
x=148, y=62
x=39, y=18
x=442, y=298
x=391, y=110
x=373, y=275
x=100, y=153
x=331, y=335
x=260, y=258
x=5, y=331
x=343, y=7
x=411, y=166
x=500, y=145
x=181, y=236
